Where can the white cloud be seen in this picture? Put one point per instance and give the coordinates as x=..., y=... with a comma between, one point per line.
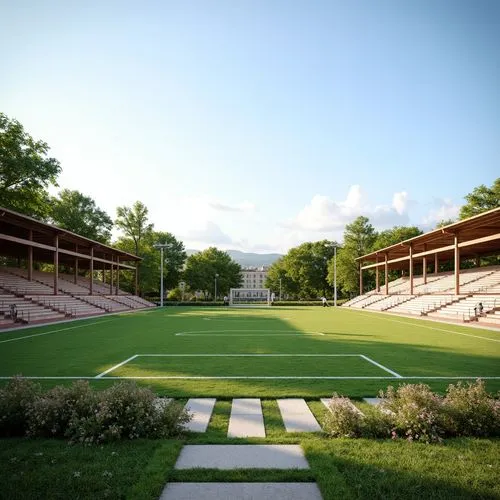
x=244, y=206
x=400, y=202
x=206, y=234
x=444, y=209
x=324, y=214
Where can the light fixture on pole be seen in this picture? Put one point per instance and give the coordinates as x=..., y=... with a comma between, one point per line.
x=161, y=246
x=215, y=287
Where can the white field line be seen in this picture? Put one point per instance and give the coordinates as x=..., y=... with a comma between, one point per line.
x=249, y=355
x=397, y=375
x=236, y=333
x=55, y=331
x=429, y=327
x=116, y=366
x=256, y=378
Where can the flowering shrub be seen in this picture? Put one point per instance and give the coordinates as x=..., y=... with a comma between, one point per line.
x=471, y=411
x=51, y=413
x=123, y=411
x=343, y=419
x=15, y=400
x=416, y=412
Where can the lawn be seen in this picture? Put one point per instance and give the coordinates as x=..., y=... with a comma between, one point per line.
x=271, y=352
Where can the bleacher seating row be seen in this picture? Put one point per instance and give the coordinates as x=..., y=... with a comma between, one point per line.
x=35, y=301
x=436, y=299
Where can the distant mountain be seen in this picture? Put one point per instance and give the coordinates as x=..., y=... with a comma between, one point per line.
x=248, y=259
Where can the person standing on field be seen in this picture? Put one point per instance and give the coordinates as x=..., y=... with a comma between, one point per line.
x=325, y=302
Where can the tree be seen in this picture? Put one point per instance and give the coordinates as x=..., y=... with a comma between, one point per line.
x=307, y=266
x=443, y=223
x=134, y=223
x=481, y=199
x=278, y=280
x=25, y=170
x=174, y=257
x=359, y=238
x=202, y=268
x=149, y=269
x=78, y=213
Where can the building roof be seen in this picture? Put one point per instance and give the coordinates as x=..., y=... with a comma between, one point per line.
x=477, y=236
x=15, y=231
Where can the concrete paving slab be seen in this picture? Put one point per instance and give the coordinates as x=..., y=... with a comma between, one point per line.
x=241, y=491
x=242, y=426
x=372, y=401
x=201, y=409
x=246, y=406
x=242, y=456
x=297, y=416
x=326, y=402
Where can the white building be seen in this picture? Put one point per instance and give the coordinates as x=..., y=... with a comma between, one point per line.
x=254, y=277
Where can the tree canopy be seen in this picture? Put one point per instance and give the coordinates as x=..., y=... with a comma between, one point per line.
x=481, y=199
x=133, y=221
x=202, y=268
x=25, y=170
x=78, y=213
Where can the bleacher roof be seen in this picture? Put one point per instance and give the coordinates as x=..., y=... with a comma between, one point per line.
x=15, y=238
x=477, y=236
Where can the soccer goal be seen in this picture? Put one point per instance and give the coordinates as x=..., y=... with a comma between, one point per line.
x=250, y=297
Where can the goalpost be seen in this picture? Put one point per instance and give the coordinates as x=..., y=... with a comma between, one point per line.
x=249, y=297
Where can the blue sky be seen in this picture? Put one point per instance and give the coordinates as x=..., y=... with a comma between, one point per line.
x=258, y=125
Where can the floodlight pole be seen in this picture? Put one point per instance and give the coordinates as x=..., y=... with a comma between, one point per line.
x=335, y=275
x=215, y=287
x=161, y=246
x=280, y=289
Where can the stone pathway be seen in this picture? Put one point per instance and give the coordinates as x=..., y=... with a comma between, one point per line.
x=372, y=401
x=241, y=491
x=201, y=410
x=242, y=456
x=297, y=416
x=246, y=419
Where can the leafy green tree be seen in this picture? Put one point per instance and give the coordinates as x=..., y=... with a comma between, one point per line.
x=25, y=170
x=277, y=278
x=133, y=221
x=307, y=266
x=481, y=199
x=359, y=238
x=444, y=222
x=76, y=212
x=174, y=256
x=149, y=269
x=201, y=269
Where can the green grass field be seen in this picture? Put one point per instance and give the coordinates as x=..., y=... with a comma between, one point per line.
x=271, y=352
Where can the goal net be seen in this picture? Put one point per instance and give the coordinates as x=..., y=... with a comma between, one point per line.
x=249, y=297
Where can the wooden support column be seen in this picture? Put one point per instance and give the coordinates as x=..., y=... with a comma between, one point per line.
x=377, y=279
x=104, y=272
x=117, y=274
x=386, y=271
x=136, y=277
x=411, y=270
x=75, y=279
x=478, y=261
x=91, y=270
x=436, y=263
x=111, y=278
x=424, y=266
x=56, y=264
x=360, y=279
x=457, y=266
x=30, y=257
